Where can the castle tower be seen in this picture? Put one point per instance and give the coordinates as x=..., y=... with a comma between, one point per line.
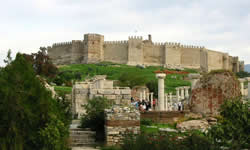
x=204, y=60
x=93, y=48
x=226, y=61
x=135, y=50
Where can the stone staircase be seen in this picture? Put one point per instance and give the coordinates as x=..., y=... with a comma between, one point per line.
x=80, y=136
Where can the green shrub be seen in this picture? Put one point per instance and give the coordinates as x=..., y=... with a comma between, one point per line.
x=94, y=117
x=166, y=142
x=147, y=122
x=233, y=127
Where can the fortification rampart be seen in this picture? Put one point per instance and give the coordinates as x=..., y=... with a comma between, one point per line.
x=136, y=50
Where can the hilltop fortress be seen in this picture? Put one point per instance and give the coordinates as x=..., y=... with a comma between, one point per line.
x=135, y=50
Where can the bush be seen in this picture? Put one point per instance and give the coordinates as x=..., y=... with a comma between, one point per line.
x=146, y=122
x=94, y=117
x=233, y=127
x=166, y=142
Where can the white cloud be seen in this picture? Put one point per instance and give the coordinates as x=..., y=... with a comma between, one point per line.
x=221, y=25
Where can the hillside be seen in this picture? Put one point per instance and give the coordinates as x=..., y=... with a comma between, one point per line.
x=247, y=67
x=127, y=75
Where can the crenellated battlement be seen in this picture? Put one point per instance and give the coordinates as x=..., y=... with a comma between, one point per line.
x=62, y=44
x=173, y=44
x=115, y=42
x=135, y=38
x=192, y=46
x=159, y=44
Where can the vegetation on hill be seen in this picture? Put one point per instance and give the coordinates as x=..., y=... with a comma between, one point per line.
x=127, y=75
x=29, y=117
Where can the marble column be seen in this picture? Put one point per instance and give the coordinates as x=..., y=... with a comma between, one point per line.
x=148, y=96
x=161, y=77
x=144, y=95
x=170, y=96
x=178, y=94
x=182, y=93
x=248, y=80
x=166, y=102
x=186, y=91
x=151, y=96
x=242, y=86
x=140, y=96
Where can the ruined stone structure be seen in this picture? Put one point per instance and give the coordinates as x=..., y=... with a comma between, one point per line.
x=120, y=121
x=135, y=50
x=212, y=90
x=97, y=87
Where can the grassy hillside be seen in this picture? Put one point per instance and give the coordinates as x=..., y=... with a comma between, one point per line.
x=128, y=75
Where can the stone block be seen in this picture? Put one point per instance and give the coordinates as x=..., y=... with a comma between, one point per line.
x=81, y=96
x=117, y=91
x=125, y=91
x=118, y=97
x=98, y=95
x=113, y=133
x=93, y=91
x=84, y=91
x=106, y=91
x=127, y=96
x=117, y=101
x=110, y=96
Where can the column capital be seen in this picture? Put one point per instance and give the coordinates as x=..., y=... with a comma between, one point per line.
x=160, y=75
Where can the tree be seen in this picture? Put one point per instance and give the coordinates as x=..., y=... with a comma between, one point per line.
x=42, y=63
x=8, y=59
x=233, y=128
x=29, y=117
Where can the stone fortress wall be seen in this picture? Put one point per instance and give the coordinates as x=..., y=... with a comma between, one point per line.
x=136, y=51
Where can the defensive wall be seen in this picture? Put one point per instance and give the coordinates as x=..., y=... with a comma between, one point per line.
x=136, y=51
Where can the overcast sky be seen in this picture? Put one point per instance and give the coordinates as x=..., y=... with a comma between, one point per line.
x=222, y=25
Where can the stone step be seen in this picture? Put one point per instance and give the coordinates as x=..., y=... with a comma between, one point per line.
x=82, y=137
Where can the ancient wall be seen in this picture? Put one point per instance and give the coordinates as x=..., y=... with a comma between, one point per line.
x=116, y=51
x=77, y=52
x=212, y=90
x=97, y=87
x=172, y=54
x=163, y=116
x=190, y=56
x=135, y=50
x=215, y=60
x=153, y=53
x=120, y=121
x=60, y=53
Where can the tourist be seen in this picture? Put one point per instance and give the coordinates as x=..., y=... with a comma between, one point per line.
x=179, y=106
x=154, y=103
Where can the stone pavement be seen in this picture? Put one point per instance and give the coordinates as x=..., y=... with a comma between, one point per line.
x=84, y=148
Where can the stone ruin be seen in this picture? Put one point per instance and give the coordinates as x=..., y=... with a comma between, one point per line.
x=98, y=86
x=120, y=121
x=212, y=90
